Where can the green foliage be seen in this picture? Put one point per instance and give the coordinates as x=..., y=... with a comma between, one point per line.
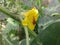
x=50, y=35
x=59, y=0
x=15, y=34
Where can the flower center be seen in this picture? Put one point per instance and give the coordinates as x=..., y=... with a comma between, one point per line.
x=34, y=22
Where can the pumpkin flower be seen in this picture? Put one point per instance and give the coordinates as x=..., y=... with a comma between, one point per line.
x=30, y=18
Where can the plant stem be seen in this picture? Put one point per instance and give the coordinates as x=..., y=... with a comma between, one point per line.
x=1, y=39
x=32, y=33
x=3, y=10
x=27, y=36
x=7, y=40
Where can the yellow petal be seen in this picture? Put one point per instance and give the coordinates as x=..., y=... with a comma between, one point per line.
x=24, y=22
x=30, y=19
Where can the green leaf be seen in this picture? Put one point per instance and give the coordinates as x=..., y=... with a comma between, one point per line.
x=22, y=42
x=59, y=0
x=50, y=35
x=36, y=41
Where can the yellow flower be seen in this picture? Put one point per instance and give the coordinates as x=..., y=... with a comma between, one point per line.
x=30, y=19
